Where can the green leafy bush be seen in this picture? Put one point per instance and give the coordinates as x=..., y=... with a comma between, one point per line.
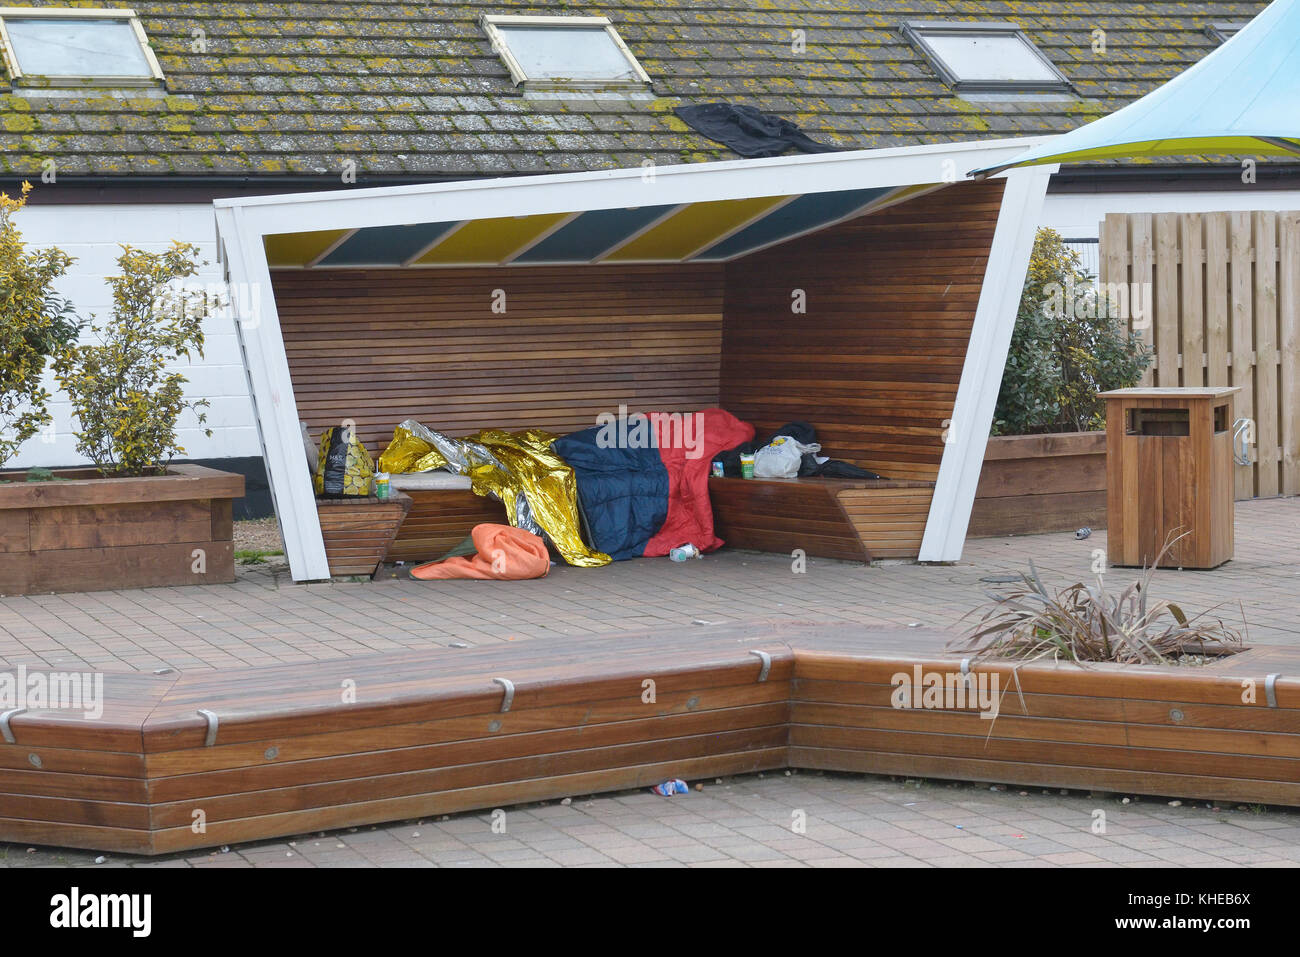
x=1066, y=348
x=125, y=401
x=35, y=324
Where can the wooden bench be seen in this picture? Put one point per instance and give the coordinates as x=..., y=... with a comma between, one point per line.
x=358, y=532
x=272, y=751
x=439, y=520
x=851, y=519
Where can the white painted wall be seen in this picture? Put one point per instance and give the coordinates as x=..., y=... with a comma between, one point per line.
x=1078, y=215
x=91, y=233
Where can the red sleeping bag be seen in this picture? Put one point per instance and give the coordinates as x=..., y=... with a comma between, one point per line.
x=687, y=444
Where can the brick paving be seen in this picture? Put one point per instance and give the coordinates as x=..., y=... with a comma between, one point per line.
x=263, y=618
x=746, y=821
x=801, y=819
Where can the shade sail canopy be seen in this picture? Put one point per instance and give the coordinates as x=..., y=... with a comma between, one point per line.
x=693, y=232
x=1241, y=100
x=713, y=231
x=695, y=212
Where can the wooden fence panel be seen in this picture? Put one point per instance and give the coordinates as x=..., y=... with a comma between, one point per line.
x=1166, y=304
x=1241, y=354
x=1268, y=443
x=1289, y=343
x=1141, y=288
x=1216, y=299
x=1192, y=316
x=1216, y=296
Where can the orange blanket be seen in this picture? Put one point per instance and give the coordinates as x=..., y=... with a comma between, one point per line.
x=505, y=553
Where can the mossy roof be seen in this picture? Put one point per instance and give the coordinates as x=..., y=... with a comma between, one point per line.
x=264, y=88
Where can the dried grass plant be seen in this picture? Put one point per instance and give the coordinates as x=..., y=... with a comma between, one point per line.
x=1089, y=623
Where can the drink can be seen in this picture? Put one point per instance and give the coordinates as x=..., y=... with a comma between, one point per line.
x=381, y=485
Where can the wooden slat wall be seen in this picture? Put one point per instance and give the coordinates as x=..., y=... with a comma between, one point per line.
x=382, y=345
x=1226, y=311
x=875, y=361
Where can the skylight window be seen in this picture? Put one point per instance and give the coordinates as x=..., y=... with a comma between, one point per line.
x=986, y=57
x=1223, y=32
x=564, y=52
x=47, y=46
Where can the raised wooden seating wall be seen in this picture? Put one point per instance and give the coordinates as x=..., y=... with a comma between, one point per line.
x=209, y=758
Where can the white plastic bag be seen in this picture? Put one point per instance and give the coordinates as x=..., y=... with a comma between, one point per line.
x=781, y=459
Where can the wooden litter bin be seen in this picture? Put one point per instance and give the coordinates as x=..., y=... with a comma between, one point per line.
x=1169, y=470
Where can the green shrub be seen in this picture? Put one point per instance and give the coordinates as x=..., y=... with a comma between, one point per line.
x=1066, y=348
x=35, y=324
x=125, y=401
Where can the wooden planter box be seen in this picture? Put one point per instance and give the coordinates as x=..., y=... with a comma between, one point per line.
x=1175, y=731
x=1041, y=483
x=95, y=534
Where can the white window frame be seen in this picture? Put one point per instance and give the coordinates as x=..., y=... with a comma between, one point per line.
x=915, y=31
x=17, y=77
x=491, y=22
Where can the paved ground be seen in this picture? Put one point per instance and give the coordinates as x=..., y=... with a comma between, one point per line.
x=850, y=819
x=750, y=821
x=263, y=618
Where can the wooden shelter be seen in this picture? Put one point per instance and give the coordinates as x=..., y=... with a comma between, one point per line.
x=871, y=293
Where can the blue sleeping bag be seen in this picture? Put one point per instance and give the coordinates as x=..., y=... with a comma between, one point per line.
x=623, y=492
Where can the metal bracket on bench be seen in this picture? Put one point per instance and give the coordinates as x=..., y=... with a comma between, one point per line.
x=213, y=721
x=1270, y=690
x=767, y=663
x=7, y=731
x=509, y=699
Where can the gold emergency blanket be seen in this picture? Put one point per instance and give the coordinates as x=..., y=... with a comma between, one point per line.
x=410, y=453
x=536, y=486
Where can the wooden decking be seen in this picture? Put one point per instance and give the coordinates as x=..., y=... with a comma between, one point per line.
x=208, y=758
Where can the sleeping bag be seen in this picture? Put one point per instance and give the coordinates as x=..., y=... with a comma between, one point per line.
x=623, y=492
x=644, y=486
x=688, y=454
x=503, y=553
